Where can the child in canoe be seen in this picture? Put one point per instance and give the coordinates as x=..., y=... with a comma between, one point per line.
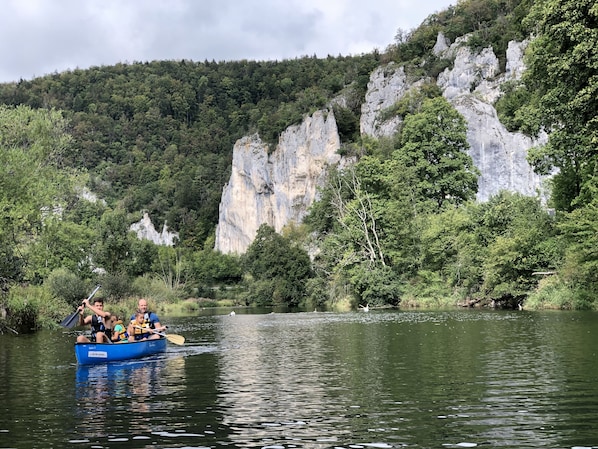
x=119, y=331
x=139, y=329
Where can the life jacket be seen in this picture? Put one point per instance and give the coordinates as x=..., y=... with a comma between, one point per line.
x=97, y=325
x=146, y=320
x=120, y=331
x=140, y=331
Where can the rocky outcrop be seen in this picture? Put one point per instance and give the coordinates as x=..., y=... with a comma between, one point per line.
x=498, y=154
x=472, y=86
x=387, y=85
x=145, y=230
x=442, y=44
x=279, y=188
x=276, y=188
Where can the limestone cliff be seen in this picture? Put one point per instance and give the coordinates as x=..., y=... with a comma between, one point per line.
x=278, y=188
x=145, y=230
x=275, y=188
x=471, y=86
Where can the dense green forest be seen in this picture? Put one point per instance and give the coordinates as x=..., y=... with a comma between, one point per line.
x=83, y=153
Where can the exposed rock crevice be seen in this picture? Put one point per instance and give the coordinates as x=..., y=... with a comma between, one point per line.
x=278, y=188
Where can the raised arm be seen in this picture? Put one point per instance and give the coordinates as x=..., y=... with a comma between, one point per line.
x=99, y=312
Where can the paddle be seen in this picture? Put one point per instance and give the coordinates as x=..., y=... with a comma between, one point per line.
x=72, y=320
x=173, y=338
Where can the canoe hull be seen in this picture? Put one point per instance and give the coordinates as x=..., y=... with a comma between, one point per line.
x=92, y=353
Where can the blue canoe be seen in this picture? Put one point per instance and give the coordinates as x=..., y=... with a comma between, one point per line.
x=91, y=353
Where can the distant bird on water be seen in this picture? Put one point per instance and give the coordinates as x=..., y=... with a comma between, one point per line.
x=232, y=313
x=365, y=308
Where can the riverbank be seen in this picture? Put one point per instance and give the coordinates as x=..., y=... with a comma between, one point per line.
x=32, y=308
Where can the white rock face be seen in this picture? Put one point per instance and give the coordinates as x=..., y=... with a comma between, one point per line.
x=469, y=71
x=441, y=45
x=275, y=189
x=88, y=195
x=145, y=230
x=497, y=153
x=387, y=85
x=471, y=86
x=279, y=188
x=515, y=66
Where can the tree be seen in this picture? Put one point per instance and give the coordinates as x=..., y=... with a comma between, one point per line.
x=113, y=247
x=61, y=244
x=360, y=218
x=451, y=249
x=375, y=285
x=169, y=266
x=209, y=268
x=366, y=217
x=144, y=253
x=32, y=185
x=580, y=231
x=562, y=74
x=279, y=268
x=519, y=238
x=434, y=144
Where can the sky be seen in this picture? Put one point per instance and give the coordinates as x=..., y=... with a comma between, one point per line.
x=40, y=37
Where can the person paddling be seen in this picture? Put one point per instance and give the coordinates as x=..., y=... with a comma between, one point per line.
x=150, y=319
x=99, y=322
x=139, y=329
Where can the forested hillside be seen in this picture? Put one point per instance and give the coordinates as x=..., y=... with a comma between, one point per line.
x=158, y=136
x=400, y=227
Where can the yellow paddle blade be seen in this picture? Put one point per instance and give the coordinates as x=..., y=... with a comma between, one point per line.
x=176, y=339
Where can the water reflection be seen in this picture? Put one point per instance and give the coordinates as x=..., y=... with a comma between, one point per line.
x=421, y=379
x=302, y=379
x=317, y=380
x=123, y=398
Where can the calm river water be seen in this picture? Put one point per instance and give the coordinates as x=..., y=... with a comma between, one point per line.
x=383, y=379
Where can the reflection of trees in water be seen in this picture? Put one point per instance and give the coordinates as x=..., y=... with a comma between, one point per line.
x=279, y=379
x=123, y=397
x=92, y=394
x=141, y=389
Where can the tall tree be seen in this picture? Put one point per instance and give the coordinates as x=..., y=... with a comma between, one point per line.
x=563, y=75
x=113, y=248
x=519, y=238
x=580, y=230
x=434, y=144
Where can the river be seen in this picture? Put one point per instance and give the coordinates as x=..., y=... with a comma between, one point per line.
x=383, y=379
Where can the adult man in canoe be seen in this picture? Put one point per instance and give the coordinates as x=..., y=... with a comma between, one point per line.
x=150, y=319
x=99, y=322
x=138, y=329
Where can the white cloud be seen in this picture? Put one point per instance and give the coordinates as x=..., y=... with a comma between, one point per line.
x=38, y=37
